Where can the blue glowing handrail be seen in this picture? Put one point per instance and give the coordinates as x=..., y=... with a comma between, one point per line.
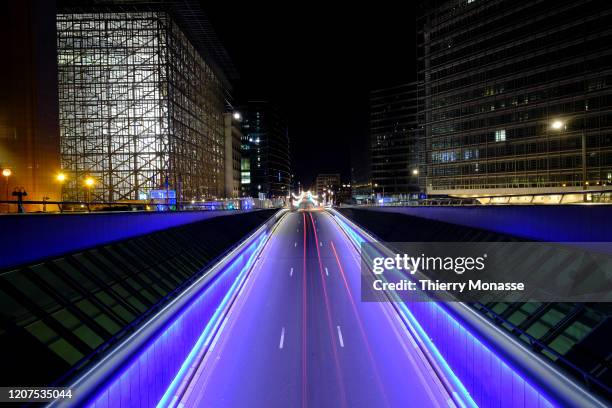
x=90, y=384
x=134, y=324
x=564, y=390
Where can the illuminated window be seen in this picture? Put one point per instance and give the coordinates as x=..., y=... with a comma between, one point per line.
x=500, y=135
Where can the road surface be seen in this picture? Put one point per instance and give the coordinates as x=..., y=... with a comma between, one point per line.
x=299, y=336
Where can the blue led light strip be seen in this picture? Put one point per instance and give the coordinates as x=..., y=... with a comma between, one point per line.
x=477, y=362
x=213, y=324
x=148, y=367
x=459, y=393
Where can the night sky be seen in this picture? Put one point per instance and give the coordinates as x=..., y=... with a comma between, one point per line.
x=318, y=61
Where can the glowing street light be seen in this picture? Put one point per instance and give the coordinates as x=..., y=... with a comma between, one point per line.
x=89, y=183
x=557, y=125
x=415, y=172
x=61, y=177
x=7, y=173
x=237, y=115
x=383, y=192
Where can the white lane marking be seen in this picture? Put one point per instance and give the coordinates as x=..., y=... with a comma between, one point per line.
x=340, y=336
x=326, y=271
x=298, y=230
x=291, y=272
x=406, y=332
x=282, y=339
x=321, y=243
x=295, y=245
x=214, y=343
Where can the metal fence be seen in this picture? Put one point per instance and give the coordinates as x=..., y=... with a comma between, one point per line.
x=33, y=206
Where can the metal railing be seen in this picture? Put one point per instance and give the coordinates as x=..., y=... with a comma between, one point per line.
x=602, y=196
x=44, y=206
x=147, y=314
x=138, y=339
x=537, y=370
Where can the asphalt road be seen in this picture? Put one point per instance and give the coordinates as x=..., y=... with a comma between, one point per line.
x=299, y=336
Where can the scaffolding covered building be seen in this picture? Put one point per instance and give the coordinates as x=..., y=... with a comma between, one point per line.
x=142, y=91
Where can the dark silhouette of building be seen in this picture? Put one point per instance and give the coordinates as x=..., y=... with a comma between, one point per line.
x=516, y=97
x=393, y=140
x=327, y=183
x=265, y=163
x=29, y=130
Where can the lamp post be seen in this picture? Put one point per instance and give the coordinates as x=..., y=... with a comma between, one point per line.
x=60, y=178
x=7, y=173
x=383, y=193
x=560, y=125
x=89, y=183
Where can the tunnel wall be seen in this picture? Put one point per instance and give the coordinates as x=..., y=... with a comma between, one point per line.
x=558, y=223
x=25, y=238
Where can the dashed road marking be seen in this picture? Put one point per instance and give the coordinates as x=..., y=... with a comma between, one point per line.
x=214, y=343
x=295, y=245
x=326, y=271
x=282, y=339
x=291, y=272
x=340, y=337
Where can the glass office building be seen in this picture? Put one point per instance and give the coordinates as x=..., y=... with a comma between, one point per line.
x=265, y=165
x=393, y=140
x=515, y=97
x=140, y=107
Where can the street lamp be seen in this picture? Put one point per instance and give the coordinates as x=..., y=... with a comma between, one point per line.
x=383, y=193
x=415, y=172
x=89, y=183
x=7, y=173
x=61, y=177
x=559, y=125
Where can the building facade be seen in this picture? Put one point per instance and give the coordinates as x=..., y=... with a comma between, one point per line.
x=140, y=107
x=361, y=193
x=326, y=182
x=233, y=137
x=265, y=164
x=29, y=128
x=393, y=140
x=515, y=97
